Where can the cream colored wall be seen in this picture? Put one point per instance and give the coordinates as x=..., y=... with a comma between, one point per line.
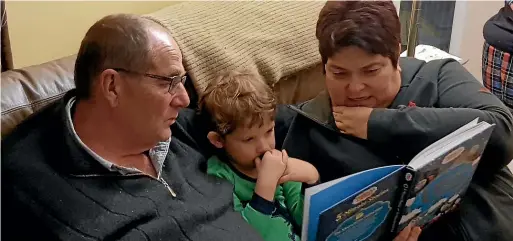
x=42, y=31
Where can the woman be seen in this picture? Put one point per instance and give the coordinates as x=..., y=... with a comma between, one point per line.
x=497, y=54
x=380, y=109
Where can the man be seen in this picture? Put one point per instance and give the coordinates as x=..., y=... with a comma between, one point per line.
x=100, y=164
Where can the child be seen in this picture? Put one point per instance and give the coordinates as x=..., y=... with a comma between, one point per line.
x=267, y=183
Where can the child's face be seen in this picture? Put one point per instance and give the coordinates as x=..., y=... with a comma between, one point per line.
x=245, y=144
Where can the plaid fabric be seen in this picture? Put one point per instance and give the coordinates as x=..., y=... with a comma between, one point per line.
x=498, y=73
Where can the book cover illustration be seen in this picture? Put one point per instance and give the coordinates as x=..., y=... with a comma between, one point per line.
x=364, y=215
x=440, y=184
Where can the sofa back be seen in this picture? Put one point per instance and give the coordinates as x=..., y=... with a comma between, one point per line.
x=294, y=73
x=27, y=90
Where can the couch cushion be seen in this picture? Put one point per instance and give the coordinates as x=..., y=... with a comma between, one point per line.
x=27, y=90
x=278, y=39
x=301, y=86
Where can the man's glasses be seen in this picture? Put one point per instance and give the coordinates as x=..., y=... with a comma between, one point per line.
x=173, y=81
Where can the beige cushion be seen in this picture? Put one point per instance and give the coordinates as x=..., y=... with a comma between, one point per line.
x=301, y=86
x=275, y=38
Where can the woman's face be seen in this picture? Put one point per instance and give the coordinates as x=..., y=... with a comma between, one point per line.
x=357, y=78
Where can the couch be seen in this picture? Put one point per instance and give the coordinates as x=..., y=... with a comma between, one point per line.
x=294, y=71
x=27, y=90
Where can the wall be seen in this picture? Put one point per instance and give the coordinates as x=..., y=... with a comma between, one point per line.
x=469, y=39
x=42, y=31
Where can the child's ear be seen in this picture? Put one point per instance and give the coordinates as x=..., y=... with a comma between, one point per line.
x=215, y=139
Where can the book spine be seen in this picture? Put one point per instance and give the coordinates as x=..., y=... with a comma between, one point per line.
x=405, y=187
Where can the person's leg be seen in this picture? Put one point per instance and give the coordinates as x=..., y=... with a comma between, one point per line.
x=497, y=72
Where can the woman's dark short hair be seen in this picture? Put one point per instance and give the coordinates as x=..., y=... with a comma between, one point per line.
x=371, y=25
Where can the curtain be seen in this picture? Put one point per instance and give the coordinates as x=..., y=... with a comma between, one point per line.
x=7, y=63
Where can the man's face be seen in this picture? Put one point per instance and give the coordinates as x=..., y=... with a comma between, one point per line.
x=357, y=78
x=146, y=107
x=245, y=144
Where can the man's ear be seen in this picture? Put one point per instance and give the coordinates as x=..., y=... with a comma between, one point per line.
x=215, y=139
x=109, y=83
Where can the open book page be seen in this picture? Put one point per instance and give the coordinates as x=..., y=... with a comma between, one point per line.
x=323, y=197
x=444, y=175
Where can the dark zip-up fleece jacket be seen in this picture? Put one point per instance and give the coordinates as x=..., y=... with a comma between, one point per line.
x=52, y=189
x=446, y=97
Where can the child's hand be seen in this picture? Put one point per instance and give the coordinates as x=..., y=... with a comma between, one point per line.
x=299, y=171
x=272, y=166
x=270, y=169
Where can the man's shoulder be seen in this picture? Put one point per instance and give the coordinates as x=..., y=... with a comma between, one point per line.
x=31, y=149
x=28, y=136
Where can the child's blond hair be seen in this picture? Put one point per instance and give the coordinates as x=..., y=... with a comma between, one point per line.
x=238, y=99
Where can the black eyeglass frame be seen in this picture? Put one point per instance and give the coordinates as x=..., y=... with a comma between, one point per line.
x=173, y=80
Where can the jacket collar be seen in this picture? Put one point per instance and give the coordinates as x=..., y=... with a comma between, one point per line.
x=74, y=159
x=319, y=109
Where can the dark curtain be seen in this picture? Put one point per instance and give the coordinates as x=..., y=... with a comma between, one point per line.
x=5, y=43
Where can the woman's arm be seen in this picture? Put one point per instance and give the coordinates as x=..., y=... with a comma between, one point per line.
x=192, y=128
x=460, y=100
x=283, y=120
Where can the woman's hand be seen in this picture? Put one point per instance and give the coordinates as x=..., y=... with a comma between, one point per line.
x=352, y=120
x=409, y=234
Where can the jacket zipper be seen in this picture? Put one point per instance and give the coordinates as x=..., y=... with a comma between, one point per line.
x=159, y=179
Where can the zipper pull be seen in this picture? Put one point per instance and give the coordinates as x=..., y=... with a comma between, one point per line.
x=168, y=187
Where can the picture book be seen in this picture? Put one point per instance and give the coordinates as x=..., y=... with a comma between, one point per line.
x=378, y=203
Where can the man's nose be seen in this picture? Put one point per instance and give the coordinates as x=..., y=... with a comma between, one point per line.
x=181, y=98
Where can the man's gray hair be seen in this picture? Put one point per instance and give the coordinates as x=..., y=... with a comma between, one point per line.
x=115, y=41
